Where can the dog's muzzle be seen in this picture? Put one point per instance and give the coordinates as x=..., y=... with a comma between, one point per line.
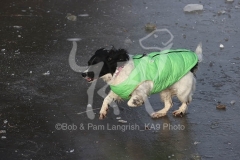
x=88, y=76
x=84, y=75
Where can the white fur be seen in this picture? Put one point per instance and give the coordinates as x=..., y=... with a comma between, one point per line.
x=183, y=89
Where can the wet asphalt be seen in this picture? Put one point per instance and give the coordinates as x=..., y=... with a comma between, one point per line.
x=40, y=92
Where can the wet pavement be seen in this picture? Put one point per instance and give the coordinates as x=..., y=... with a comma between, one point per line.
x=39, y=90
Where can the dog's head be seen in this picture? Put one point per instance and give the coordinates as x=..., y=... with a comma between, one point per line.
x=104, y=62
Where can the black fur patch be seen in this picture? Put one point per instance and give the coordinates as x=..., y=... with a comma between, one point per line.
x=106, y=61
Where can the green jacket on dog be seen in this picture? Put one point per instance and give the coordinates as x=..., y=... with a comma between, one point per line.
x=163, y=68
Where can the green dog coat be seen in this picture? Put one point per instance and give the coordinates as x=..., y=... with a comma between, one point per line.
x=163, y=68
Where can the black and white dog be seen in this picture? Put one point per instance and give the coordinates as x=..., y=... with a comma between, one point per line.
x=114, y=66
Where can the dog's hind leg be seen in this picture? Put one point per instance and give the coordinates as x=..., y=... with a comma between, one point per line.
x=136, y=100
x=185, y=89
x=182, y=110
x=140, y=94
x=166, y=97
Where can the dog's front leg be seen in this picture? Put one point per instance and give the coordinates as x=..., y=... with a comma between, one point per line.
x=107, y=100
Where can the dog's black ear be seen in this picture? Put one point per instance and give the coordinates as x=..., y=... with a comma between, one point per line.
x=101, y=51
x=119, y=55
x=123, y=56
x=111, y=55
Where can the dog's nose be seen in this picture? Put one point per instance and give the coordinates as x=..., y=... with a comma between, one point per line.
x=84, y=75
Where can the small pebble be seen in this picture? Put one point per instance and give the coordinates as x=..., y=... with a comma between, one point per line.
x=221, y=106
x=118, y=117
x=193, y=7
x=5, y=121
x=83, y=15
x=46, y=73
x=122, y=121
x=71, y=17
x=150, y=27
x=2, y=131
x=232, y=102
x=195, y=143
x=221, y=46
x=17, y=27
x=221, y=12
x=73, y=39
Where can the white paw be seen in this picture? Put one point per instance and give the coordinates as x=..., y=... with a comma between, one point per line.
x=103, y=114
x=158, y=114
x=179, y=113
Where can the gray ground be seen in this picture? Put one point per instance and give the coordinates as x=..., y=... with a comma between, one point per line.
x=34, y=40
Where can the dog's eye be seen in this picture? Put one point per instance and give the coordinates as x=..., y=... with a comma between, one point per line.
x=109, y=59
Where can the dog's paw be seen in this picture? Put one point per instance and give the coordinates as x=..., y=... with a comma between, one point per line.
x=103, y=114
x=179, y=113
x=158, y=114
x=135, y=102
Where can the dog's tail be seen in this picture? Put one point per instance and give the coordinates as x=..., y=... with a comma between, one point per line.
x=198, y=51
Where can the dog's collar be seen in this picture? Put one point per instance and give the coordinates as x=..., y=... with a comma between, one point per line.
x=118, y=70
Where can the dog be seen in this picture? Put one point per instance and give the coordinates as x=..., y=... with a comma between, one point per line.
x=116, y=67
